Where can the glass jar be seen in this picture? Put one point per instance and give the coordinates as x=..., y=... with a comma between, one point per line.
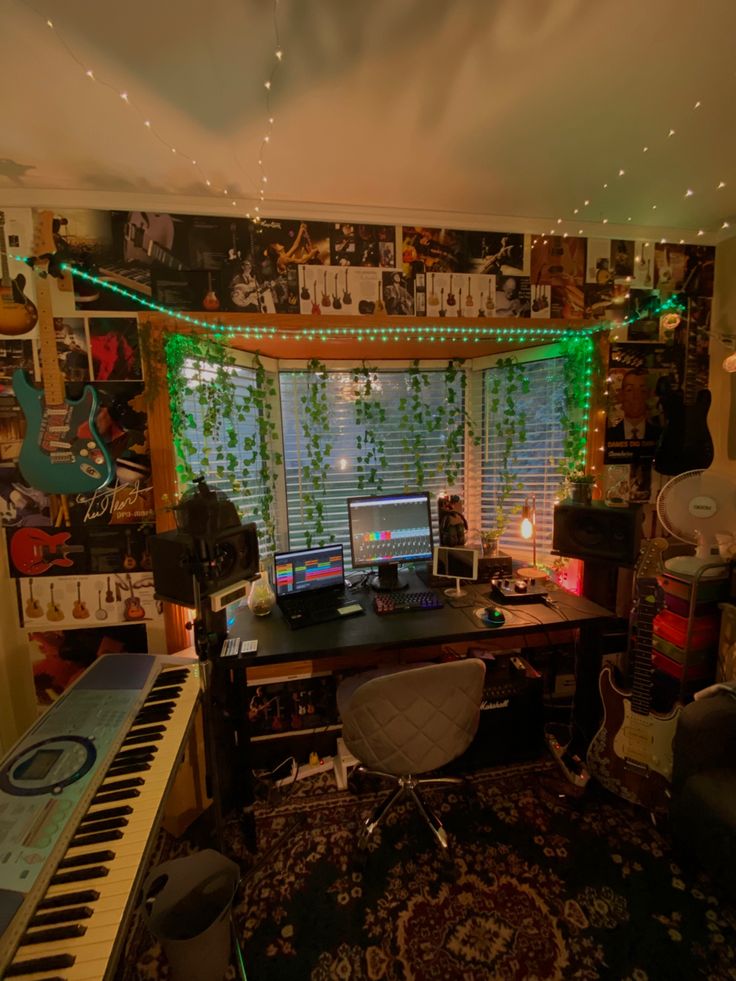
x=261, y=599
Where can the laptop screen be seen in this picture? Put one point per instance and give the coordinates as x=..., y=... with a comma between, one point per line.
x=309, y=569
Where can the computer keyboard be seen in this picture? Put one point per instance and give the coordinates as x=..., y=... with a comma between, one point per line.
x=403, y=602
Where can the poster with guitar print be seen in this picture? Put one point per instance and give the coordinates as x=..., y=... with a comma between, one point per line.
x=78, y=550
x=631, y=754
x=18, y=314
x=115, y=598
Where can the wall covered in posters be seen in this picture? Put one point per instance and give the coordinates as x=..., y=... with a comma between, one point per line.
x=77, y=542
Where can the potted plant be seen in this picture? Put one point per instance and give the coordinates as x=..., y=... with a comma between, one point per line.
x=489, y=541
x=581, y=487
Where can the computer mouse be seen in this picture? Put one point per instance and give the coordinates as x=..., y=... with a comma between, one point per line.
x=493, y=616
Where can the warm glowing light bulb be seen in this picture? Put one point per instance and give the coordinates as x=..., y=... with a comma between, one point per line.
x=527, y=528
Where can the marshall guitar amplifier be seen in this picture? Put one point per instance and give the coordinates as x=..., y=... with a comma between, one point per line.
x=511, y=724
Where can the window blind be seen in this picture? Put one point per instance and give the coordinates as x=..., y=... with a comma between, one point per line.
x=221, y=448
x=390, y=450
x=533, y=462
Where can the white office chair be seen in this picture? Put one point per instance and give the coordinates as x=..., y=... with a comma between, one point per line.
x=402, y=722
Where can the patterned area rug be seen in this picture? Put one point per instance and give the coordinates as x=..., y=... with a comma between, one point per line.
x=542, y=886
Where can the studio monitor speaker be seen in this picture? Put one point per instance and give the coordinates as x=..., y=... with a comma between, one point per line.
x=594, y=531
x=178, y=559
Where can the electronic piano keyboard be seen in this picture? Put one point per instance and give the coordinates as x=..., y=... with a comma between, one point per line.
x=81, y=797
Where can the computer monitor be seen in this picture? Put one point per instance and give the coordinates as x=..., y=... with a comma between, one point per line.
x=388, y=530
x=455, y=563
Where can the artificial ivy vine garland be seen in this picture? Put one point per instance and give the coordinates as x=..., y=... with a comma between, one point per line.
x=225, y=408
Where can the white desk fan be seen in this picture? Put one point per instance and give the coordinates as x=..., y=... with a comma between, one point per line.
x=699, y=507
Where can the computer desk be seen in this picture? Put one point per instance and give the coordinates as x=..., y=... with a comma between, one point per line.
x=371, y=639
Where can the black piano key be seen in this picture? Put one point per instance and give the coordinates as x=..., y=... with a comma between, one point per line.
x=80, y=875
x=107, y=785
x=166, y=678
x=144, y=753
x=155, y=707
x=38, y=964
x=120, y=771
x=106, y=825
x=52, y=934
x=68, y=915
x=107, y=812
x=89, y=858
x=147, y=718
x=69, y=899
x=162, y=695
x=99, y=838
x=145, y=731
x=143, y=738
x=116, y=795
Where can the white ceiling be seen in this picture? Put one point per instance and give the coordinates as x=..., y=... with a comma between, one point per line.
x=465, y=113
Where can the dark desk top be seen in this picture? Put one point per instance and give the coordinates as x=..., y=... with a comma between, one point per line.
x=278, y=643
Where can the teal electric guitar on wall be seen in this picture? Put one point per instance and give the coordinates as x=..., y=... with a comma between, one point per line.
x=62, y=452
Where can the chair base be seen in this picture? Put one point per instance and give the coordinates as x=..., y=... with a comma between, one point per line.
x=407, y=786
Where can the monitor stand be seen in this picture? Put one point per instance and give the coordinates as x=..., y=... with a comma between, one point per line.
x=388, y=578
x=456, y=590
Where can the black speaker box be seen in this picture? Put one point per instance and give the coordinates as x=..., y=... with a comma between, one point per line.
x=595, y=531
x=511, y=726
x=177, y=558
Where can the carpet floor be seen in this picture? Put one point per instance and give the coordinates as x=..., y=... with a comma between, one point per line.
x=543, y=885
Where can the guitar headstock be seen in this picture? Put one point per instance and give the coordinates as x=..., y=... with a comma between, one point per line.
x=43, y=234
x=649, y=564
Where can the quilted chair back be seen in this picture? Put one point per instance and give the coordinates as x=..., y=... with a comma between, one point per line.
x=414, y=720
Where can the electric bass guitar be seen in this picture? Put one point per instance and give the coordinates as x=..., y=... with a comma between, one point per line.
x=17, y=314
x=631, y=754
x=62, y=452
x=685, y=442
x=34, y=551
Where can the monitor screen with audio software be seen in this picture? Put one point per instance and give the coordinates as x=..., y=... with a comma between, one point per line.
x=388, y=530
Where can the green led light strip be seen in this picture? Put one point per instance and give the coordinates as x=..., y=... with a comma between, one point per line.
x=429, y=332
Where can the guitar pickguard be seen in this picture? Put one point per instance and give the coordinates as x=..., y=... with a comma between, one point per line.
x=631, y=755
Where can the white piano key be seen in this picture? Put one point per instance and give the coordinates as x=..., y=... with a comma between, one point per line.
x=118, y=889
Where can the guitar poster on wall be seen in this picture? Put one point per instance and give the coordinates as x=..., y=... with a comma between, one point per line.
x=79, y=550
x=81, y=601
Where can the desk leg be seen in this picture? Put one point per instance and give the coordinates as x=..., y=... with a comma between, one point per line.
x=232, y=768
x=587, y=707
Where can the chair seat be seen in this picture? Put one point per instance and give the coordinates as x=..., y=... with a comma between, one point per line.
x=409, y=719
x=402, y=721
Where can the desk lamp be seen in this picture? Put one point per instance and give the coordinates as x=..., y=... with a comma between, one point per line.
x=529, y=531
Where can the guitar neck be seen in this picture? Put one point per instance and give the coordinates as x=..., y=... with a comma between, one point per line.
x=6, y=284
x=53, y=380
x=690, y=384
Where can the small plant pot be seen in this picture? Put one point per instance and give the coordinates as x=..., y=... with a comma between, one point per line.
x=581, y=493
x=490, y=548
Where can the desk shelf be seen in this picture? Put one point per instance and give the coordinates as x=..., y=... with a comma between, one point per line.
x=268, y=736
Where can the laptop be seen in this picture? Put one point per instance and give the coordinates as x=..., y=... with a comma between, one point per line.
x=310, y=586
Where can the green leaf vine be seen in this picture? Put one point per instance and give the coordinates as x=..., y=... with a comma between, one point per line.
x=581, y=357
x=456, y=419
x=508, y=429
x=370, y=419
x=228, y=449
x=416, y=419
x=318, y=447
